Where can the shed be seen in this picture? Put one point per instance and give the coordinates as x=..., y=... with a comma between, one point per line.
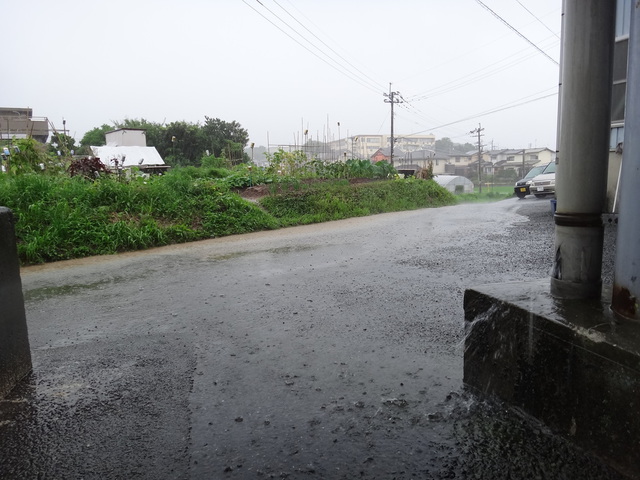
x=126, y=147
x=147, y=159
x=455, y=183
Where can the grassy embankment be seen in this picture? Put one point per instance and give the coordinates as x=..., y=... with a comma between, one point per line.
x=62, y=218
x=490, y=193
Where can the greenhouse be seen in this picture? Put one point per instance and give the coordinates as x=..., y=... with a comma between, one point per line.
x=455, y=183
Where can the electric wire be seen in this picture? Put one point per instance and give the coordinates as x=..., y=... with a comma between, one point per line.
x=517, y=32
x=541, y=22
x=373, y=82
x=504, y=106
x=345, y=73
x=471, y=77
x=483, y=114
x=372, y=85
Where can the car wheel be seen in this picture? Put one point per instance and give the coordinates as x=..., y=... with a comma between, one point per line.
x=521, y=194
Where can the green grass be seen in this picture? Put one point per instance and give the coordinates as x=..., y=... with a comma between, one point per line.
x=490, y=193
x=338, y=200
x=61, y=218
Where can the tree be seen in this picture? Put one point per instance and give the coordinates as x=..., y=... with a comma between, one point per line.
x=62, y=144
x=225, y=139
x=446, y=145
x=96, y=136
x=185, y=143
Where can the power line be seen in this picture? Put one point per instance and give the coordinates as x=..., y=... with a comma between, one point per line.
x=408, y=105
x=470, y=78
x=517, y=32
x=344, y=72
x=328, y=46
x=488, y=112
x=541, y=22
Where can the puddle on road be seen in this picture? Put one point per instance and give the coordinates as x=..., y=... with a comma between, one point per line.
x=274, y=251
x=43, y=293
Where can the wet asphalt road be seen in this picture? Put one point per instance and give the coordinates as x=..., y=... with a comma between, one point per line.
x=325, y=351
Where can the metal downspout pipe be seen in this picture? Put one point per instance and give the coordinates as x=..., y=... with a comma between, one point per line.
x=581, y=178
x=626, y=287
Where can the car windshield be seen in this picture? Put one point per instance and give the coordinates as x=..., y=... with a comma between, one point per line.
x=533, y=172
x=551, y=168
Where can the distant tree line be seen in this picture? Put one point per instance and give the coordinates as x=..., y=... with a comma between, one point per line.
x=182, y=143
x=448, y=146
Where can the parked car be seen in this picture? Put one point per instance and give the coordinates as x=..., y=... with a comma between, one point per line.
x=522, y=186
x=545, y=183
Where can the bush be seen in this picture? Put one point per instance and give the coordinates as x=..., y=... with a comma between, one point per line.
x=87, y=167
x=214, y=162
x=322, y=202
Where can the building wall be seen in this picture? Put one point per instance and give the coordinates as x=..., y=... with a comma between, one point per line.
x=620, y=54
x=365, y=146
x=20, y=123
x=126, y=137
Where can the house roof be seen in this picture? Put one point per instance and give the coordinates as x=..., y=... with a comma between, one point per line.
x=441, y=155
x=423, y=154
x=387, y=152
x=129, y=156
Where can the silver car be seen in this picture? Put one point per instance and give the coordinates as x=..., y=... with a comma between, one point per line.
x=545, y=183
x=521, y=188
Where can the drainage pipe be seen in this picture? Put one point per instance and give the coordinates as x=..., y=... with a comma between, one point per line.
x=626, y=286
x=585, y=104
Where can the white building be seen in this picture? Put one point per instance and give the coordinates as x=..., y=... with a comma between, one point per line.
x=127, y=147
x=364, y=146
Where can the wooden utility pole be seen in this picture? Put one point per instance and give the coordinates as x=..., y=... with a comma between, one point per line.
x=478, y=132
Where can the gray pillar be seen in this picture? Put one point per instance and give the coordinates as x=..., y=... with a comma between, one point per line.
x=581, y=178
x=15, y=356
x=626, y=288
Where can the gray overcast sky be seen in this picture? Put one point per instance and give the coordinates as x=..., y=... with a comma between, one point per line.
x=95, y=62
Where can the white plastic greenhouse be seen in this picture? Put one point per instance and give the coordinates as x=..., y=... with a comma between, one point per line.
x=455, y=183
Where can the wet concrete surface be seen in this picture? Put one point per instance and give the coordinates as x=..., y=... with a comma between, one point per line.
x=324, y=351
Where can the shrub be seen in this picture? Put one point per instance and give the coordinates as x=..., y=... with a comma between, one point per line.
x=87, y=167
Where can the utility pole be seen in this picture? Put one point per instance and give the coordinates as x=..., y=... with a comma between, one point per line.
x=478, y=132
x=391, y=98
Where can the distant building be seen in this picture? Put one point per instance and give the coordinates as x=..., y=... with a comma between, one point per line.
x=365, y=146
x=520, y=160
x=20, y=123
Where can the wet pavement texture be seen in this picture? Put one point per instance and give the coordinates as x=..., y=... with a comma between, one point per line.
x=324, y=351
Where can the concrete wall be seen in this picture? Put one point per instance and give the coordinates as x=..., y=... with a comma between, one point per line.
x=15, y=356
x=570, y=364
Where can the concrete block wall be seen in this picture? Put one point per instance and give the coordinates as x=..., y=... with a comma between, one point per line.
x=569, y=363
x=15, y=355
